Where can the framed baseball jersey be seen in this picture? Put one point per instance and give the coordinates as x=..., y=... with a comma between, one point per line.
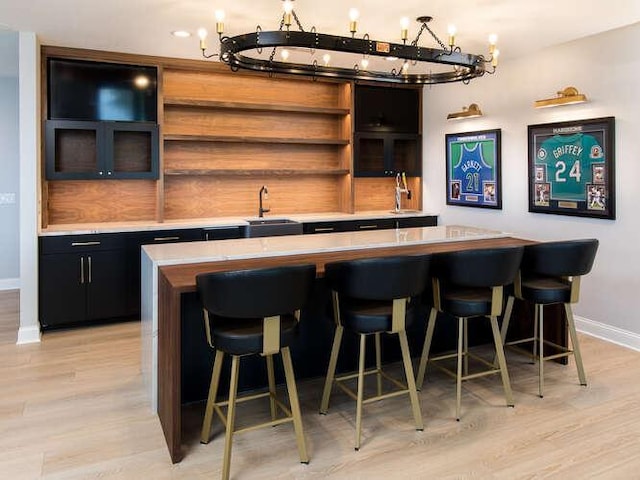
x=571, y=168
x=473, y=169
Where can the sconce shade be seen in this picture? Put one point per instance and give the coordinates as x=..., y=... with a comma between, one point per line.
x=473, y=110
x=568, y=96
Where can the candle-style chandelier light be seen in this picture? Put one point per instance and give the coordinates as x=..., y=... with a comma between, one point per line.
x=271, y=52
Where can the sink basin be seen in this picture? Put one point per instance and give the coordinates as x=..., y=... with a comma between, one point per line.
x=272, y=227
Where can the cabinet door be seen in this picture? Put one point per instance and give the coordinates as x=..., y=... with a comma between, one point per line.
x=131, y=149
x=106, y=282
x=408, y=222
x=62, y=283
x=386, y=154
x=72, y=150
x=405, y=154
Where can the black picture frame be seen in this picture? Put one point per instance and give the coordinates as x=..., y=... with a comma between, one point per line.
x=572, y=168
x=474, y=169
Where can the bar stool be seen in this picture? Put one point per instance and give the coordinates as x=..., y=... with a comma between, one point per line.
x=372, y=296
x=253, y=312
x=469, y=284
x=550, y=274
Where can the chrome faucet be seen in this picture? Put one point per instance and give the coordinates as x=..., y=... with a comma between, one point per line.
x=261, y=211
x=401, y=189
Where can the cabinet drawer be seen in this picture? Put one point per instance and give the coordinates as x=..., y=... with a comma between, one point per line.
x=222, y=233
x=325, y=227
x=81, y=243
x=408, y=222
x=374, y=224
x=168, y=236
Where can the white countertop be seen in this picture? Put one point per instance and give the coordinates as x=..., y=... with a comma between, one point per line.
x=238, y=249
x=140, y=226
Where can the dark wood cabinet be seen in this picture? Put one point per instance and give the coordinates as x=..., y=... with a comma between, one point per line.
x=386, y=154
x=86, y=150
x=369, y=224
x=387, y=138
x=82, y=278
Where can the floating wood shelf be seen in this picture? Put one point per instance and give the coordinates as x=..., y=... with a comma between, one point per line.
x=234, y=139
x=249, y=172
x=196, y=103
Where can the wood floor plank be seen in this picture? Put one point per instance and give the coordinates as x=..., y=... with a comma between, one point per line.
x=74, y=407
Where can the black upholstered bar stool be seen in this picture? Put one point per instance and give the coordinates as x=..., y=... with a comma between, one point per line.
x=469, y=284
x=251, y=312
x=550, y=274
x=371, y=297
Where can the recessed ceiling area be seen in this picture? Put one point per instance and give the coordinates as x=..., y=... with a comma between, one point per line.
x=145, y=26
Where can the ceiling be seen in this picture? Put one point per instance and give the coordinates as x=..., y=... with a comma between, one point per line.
x=144, y=26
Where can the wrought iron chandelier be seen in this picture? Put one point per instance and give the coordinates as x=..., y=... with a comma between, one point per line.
x=257, y=51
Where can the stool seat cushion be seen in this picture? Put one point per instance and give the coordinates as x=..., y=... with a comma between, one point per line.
x=369, y=316
x=244, y=336
x=546, y=290
x=466, y=301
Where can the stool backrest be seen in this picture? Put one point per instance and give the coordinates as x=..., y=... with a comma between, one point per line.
x=384, y=278
x=486, y=267
x=256, y=293
x=560, y=259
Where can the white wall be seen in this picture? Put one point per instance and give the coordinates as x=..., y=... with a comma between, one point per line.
x=606, y=69
x=9, y=161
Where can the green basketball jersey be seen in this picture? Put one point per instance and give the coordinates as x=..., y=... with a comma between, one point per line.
x=568, y=160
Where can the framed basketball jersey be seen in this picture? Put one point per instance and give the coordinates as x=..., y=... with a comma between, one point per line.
x=473, y=169
x=571, y=168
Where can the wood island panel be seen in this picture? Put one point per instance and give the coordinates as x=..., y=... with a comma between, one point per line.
x=174, y=280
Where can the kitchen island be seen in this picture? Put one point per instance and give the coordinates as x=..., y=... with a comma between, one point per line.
x=168, y=274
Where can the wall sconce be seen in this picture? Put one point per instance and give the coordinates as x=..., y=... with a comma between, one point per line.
x=568, y=96
x=471, y=111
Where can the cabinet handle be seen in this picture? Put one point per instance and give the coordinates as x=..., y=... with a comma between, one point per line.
x=109, y=173
x=82, y=270
x=89, y=258
x=84, y=244
x=100, y=173
x=206, y=236
x=367, y=227
x=324, y=229
x=164, y=239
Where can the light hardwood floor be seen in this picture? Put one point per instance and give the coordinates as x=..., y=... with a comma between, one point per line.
x=73, y=407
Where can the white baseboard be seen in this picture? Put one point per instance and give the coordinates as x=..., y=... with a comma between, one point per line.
x=9, y=283
x=608, y=333
x=28, y=335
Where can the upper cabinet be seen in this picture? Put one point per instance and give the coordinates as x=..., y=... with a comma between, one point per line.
x=387, y=138
x=100, y=150
x=101, y=121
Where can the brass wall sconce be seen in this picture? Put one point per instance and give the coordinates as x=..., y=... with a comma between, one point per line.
x=472, y=111
x=568, y=96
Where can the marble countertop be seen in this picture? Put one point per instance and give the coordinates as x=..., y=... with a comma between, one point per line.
x=140, y=226
x=222, y=250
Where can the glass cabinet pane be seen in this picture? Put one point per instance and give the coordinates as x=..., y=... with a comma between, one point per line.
x=406, y=156
x=75, y=150
x=370, y=155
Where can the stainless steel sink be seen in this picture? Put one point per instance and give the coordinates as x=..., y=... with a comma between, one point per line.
x=272, y=227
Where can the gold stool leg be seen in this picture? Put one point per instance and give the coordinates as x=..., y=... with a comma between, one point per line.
x=465, y=356
x=575, y=344
x=231, y=416
x=411, y=383
x=378, y=363
x=506, y=384
x=295, y=405
x=535, y=336
x=540, y=312
x=213, y=392
x=424, y=358
x=331, y=371
x=363, y=344
x=506, y=319
x=272, y=386
x=459, y=368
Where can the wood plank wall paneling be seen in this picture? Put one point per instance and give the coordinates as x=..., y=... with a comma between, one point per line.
x=210, y=196
x=227, y=122
x=379, y=194
x=94, y=201
x=249, y=156
x=230, y=87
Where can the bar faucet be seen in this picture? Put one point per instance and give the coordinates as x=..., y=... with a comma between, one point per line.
x=401, y=178
x=264, y=193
